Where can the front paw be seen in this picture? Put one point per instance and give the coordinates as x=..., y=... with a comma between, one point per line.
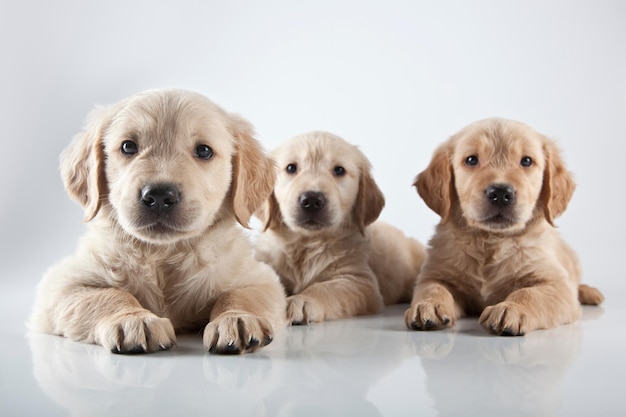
x=429, y=315
x=233, y=333
x=505, y=319
x=138, y=332
x=303, y=310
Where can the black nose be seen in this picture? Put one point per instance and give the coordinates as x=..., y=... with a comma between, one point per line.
x=500, y=195
x=160, y=198
x=312, y=201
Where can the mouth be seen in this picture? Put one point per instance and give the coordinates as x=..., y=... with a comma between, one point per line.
x=160, y=231
x=499, y=221
x=312, y=224
x=312, y=221
x=161, y=228
x=164, y=227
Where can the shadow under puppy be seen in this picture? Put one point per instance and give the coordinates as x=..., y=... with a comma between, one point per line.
x=498, y=185
x=163, y=177
x=319, y=236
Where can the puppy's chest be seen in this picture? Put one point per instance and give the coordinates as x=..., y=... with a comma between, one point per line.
x=155, y=278
x=304, y=265
x=492, y=262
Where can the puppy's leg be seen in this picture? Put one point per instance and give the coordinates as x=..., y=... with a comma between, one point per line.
x=589, y=295
x=340, y=297
x=109, y=317
x=245, y=319
x=433, y=307
x=543, y=306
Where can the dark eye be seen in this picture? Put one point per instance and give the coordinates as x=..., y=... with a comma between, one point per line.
x=339, y=171
x=204, y=152
x=291, y=169
x=471, y=160
x=526, y=161
x=129, y=147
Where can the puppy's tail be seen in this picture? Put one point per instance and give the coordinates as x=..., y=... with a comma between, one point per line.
x=589, y=295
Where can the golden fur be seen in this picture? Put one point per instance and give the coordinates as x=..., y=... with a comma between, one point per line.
x=162, y=176
x=333, y=261
x=498, y=185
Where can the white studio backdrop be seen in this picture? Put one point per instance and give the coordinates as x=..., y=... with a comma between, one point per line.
x=395, y=78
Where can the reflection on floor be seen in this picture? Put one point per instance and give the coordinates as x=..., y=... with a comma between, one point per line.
x=365, y=366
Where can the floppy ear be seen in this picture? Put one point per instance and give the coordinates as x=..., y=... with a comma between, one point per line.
x=558, y=183
x=369, y=201
x=82, y=163
x=436, y=183
x=253, y=172
x=269, y=213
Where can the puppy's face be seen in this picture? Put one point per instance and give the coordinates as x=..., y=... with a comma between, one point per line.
x=165, y=164
x=500, y=173
x=324, y=182
x=168, y=166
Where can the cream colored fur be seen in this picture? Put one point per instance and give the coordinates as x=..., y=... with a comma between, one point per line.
x=138, y=276
x=334, y=262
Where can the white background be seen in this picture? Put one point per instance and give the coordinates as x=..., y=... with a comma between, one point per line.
x=394, y=77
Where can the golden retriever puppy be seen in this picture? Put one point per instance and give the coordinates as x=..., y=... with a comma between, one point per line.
x=163, y=177
x=498, y=185
x=318, y=234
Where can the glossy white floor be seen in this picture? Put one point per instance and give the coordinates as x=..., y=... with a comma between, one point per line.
x=368, y=366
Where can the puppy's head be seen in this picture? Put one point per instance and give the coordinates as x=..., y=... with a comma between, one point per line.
x=165, y=165
x=323, y=183
x=496, y=175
